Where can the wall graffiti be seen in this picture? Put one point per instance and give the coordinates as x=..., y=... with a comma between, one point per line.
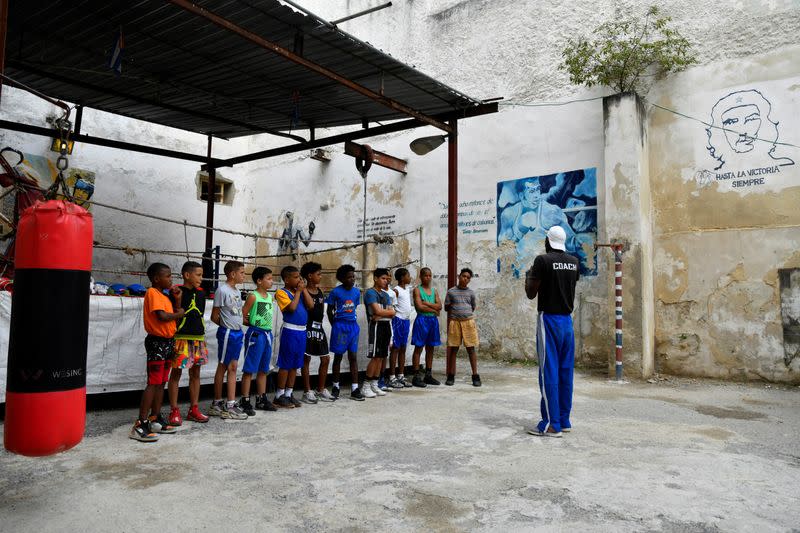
x=528, y=207
x=743, y=141
x=294, y=234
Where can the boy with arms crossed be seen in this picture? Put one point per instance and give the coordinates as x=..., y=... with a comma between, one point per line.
x=227, y=314
x=426, y=328
x=342, y=303
x=257, y=314
x=190, y=344
x=459, y=302
x=401, y=326
x=293, y=335
x=379, y=319
x=316, y=341
x=159, y=323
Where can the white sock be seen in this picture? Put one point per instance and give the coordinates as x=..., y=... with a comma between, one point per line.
x=354, y=386
x=400, y=376
x=279, y=393
x=289, y=393
x=336, y=384
x=392, y=377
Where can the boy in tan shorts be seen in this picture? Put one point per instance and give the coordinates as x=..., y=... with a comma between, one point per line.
x=461, y=328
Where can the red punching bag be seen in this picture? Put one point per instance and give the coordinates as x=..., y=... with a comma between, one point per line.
x=46, y=378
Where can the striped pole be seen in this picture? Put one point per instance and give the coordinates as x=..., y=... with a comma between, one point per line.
x=618, y=309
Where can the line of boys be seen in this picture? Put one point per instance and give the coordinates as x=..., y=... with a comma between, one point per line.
x=176, y=338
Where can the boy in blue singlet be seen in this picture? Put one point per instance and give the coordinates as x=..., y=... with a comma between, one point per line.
x=425, y=332
x=258, y=317
x=342, y=303
x=293, y=335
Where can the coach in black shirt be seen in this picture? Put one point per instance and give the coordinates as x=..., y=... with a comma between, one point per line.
x=552, y=278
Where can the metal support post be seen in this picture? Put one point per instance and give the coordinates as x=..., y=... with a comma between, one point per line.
x=422, y=261
x=452, y=203
x=617, y=248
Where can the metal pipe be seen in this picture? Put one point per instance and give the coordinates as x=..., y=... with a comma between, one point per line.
x=55, y=134
x=617, y=248
x=393, y=127
x=310, y=65
x=452, y=204
x=307, y=12
x=422, y=262
x=361, y=13
x=211, y=199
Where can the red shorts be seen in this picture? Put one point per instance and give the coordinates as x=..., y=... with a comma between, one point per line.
x=158, y=372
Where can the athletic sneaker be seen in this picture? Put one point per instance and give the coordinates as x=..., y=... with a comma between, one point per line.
x=295, y=402
x=373, y=385
x=358, y=395
x=233, y=412
x=396, y=384
x=175, y=417
x=216, y=408
x=382, y=384
x=310, y=397
x=566, y=429
x=417, y=381
x=246, y=406
x=195, y=415
x=407, y=384
x=335, y=392
x=451, y=380
x=141, y=431
x=430, y=380
x=325, y=396
x=264, y=404
x=536, y=431
x=159, y=424
x=476, y=380
x=367, y=391
x=283, y=402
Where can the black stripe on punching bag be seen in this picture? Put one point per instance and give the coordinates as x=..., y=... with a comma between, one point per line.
x=49, y=330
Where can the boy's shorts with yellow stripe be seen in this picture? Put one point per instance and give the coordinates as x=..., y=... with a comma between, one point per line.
x=189, y=353
x=464, y=331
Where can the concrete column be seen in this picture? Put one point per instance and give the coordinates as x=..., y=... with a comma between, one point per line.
x=628, y=219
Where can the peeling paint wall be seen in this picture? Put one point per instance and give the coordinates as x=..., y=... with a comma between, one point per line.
x=715, y=253
x=722, y=234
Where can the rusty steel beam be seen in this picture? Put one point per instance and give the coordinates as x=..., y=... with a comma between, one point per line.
x=3, y=31
x=452, y=205
x=314, y=67
x=379, y=158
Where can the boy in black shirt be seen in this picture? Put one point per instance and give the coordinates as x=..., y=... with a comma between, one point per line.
x=190, y=344
x=552, y=278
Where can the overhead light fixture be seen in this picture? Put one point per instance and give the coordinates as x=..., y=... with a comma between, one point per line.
x=423, y=145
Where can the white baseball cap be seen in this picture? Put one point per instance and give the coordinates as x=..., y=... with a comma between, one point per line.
x=557, y=238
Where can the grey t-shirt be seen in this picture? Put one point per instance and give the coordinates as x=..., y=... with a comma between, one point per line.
x=229, y=301
x=461, y=302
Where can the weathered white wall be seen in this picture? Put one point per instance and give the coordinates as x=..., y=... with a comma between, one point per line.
x=511, y=49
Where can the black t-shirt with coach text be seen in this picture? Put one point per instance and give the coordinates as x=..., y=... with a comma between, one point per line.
x=557, y=273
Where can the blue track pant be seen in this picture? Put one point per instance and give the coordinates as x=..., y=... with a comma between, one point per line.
x=555, y=345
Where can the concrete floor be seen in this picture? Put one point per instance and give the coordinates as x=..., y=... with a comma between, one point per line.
x=677, y=455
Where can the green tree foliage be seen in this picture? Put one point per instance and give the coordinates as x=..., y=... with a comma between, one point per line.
x=623, y=53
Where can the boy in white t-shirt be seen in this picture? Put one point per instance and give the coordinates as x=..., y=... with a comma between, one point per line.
x=401, y=324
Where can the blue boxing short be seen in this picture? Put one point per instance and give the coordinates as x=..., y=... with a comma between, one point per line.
x=426, y=331
x=229, y=342
x=293, y=347
x=400, y=328
x=257, y=350
x=344, y=336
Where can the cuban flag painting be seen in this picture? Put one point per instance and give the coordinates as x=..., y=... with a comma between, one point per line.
x=115, y=60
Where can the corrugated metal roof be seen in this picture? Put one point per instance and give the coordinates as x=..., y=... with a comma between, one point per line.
x=182, y=71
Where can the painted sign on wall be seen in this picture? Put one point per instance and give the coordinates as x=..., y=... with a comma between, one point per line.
x=747, y=141
x=528, y=207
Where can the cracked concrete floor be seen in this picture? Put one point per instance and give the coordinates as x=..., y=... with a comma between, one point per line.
x=681, y=455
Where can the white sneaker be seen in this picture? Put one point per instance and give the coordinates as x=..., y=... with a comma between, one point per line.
x=325, y=396
x=366, y=390
x=309, y=397
x=376, y=389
